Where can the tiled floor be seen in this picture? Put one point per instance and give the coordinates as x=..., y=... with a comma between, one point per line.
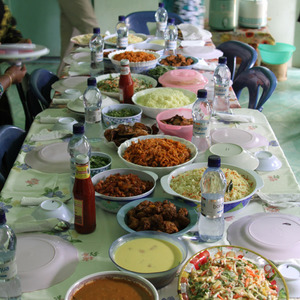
x=282, y=110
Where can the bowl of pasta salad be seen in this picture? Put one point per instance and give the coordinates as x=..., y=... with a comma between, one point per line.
x=242, y=184
x=243, y=274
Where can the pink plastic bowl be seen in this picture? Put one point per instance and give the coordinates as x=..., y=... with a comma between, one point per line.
x=186, y=79
x=185, y=132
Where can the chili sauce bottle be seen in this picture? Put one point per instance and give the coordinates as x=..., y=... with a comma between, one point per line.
x=126, y=87
x=84, y=197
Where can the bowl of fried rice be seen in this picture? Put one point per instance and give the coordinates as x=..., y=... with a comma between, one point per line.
x=184, y=183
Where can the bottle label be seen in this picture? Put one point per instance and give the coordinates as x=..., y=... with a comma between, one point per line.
x=171, y=45
x=96, y=57
x=122, y=42
x=93, y=116
x=161, y=26
x=82, y=171
x=212, y=208
x=78, y=211
x=221, y=91
x=125, y=70
x=8, y=270
x=201, y=128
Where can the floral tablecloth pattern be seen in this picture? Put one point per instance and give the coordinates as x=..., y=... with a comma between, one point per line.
x=93, y=248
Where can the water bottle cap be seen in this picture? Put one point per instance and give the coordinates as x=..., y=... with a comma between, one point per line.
x=2, y=216
x=202, y=93
x=222, y=60
x=160, y=4
x=214, y=161
x=124, y=62
x=81, y=159
x=96, y=30
x=121, y=18
x=92, y=81
x=78, y=128
x=171, y=20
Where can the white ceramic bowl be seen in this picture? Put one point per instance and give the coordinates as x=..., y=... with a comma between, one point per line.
x=231, y=207
x=135, y=67
x=152, y=112
x=267, y=161
x=71, y=94
x=233, y=154
x=148, y=286
x=158, y=279
x=65, y=123
x=111, y=121
x=52, y=209
x=146, y=46
x=160, y=171
x=113, y=204
x=95, y=171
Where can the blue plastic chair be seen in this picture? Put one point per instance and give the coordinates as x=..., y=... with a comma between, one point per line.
x=236, y=49
x=11, y=140
x=137, y=21
x=40, y=86
x=255, y=79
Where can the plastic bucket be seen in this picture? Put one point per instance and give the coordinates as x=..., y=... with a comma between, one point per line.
x=276, y=54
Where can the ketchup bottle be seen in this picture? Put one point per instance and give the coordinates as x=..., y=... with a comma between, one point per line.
x=126, y=89
x=84, y=197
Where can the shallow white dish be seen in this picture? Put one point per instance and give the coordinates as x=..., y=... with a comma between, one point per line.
x=160, y=171
x=147, y=46
x=116, y=95
x=201, y=52
x=267, y=161
x=75, y=82
x=82, y=39
x=44, y=260
x=78, y=107
x=234, y=155
x=65, y=123
x=78, y=57
x=52, y=158
x=243, y=138
x=274, y=235
x=108, y=42
x=291, y=274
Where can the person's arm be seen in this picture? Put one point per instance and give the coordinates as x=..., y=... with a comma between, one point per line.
x=12, y=75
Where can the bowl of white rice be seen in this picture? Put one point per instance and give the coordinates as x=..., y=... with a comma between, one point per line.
x=154, y=101
x=184, y=183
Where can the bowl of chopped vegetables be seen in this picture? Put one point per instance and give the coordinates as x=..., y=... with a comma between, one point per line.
x=121, y=114
x=99, y=162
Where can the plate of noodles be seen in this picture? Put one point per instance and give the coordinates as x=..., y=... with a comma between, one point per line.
x=184, y=182
x=243, y=274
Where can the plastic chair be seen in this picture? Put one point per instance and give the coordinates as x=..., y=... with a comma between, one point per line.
x=40, y=86
x=11, y=140
x=254, y=79
x=236, y=49
x=137, y=21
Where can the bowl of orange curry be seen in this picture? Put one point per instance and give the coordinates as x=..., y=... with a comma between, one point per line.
x=112, y=285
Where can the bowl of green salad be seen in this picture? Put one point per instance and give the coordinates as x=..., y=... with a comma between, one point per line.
x=121, y=114
x=99, y=162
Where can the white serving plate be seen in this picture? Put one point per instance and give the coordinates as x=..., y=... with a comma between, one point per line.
x=112, y=44
x=75, y=82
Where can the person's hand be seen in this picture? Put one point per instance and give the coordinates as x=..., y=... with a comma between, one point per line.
x=16, y=73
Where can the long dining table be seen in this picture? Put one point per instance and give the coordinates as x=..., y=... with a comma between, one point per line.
x=28, y=184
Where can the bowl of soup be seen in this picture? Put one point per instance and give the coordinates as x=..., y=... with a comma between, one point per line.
x=112, y=285
x=156, y=256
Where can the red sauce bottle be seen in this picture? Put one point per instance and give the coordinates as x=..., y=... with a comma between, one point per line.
x=126, y=87
x=84, y=197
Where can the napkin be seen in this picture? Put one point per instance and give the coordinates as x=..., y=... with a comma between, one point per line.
x=48, y=119
x=33, y=201
x=192, y=32
x=30, y=224
x=235, y=118
x=203, y=65
x=280, y=200
x=45, y=135
x=60, y=100
x=192, y=43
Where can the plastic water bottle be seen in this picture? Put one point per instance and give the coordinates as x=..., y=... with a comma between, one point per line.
x=78, y=144
x=161, y=18
x=222, y=77
x=171, y=35
x=213, y=185
x=10, y=285
x=122, y=33
x=201, y=114
x=96, y=45
x=92, y=100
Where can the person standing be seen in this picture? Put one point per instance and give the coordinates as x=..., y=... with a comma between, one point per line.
x=76, y=17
